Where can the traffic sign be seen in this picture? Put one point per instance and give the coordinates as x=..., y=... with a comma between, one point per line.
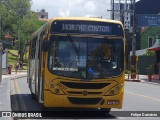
x=149, y=20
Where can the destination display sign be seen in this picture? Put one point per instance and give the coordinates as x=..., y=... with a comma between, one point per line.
x=86, y=27
x=148, y=20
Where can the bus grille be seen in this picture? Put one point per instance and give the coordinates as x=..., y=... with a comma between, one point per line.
x=85, y=85
x=90, y=93
x=84, y=101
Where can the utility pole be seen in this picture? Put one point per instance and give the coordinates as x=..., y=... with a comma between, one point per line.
x=112, y=4
x=1, y=49
x=126, y=13
x=133, y=57
x=133, y=40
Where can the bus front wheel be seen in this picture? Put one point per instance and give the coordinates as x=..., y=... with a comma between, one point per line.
x=33, y=96
x=106, y=110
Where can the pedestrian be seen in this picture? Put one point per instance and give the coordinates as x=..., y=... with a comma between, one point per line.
x=21, y=65
x=9, y=69
x=16, y=67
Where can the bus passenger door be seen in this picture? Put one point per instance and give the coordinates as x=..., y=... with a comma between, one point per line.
x=42, y=55
x=31, y=76
x=37, y=66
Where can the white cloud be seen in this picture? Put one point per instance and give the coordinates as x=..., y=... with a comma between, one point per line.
x=90, y=7
x=64, y=13
x=90, y=15
x=57, y=8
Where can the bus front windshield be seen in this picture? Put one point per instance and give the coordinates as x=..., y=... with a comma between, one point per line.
x=85, y=57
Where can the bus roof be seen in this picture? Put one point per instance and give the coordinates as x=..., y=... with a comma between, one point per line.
x=49, y=22
x=86, y=19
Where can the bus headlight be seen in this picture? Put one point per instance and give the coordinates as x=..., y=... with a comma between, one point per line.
x=115, y=90
x=55, y=89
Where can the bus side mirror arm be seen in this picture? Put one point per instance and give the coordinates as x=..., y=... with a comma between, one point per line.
x=45, y=45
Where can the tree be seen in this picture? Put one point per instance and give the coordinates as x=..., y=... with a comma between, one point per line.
x=18, y=19
x=11, y=12
x=23, y=31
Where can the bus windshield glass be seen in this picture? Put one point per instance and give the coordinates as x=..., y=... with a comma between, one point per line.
x=86, y=57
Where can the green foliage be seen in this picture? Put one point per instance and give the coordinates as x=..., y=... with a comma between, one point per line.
x=149, y=69
x=18, y=20
x=13, y=59
x=143, y=63
x=26, y=26
x=11, y=10
x=149, y=53
x=128, y=72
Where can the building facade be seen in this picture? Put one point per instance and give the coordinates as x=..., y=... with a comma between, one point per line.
x=42, y=14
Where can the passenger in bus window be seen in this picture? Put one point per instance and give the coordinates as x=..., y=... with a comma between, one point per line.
x=58, y=63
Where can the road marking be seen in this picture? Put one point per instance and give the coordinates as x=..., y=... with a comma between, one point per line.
x=20, y=97
x=143, y=96
x=22, y=105
x=120, y=118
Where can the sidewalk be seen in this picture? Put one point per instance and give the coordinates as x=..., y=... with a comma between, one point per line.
x=5, y=102
x=143, y=79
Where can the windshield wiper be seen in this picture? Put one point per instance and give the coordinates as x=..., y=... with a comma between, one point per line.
x=73, y=44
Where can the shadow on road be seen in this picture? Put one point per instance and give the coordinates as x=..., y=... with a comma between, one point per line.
x=24, y=103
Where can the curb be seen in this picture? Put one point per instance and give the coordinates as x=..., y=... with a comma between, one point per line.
x=142, y=81
x=5, y=101
x=132, y=80
x=19, y=70
x=151, y=83
x=16, y=77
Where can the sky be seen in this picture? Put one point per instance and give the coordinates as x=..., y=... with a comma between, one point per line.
x=60, y=8
x=78, y=8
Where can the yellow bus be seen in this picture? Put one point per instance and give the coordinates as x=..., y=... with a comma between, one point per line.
x=78, y=63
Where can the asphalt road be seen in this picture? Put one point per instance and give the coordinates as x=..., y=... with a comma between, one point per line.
x=138, y=99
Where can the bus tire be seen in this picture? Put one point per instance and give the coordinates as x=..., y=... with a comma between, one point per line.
x=105, y=110
x=33, y=96
x=43, y=108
